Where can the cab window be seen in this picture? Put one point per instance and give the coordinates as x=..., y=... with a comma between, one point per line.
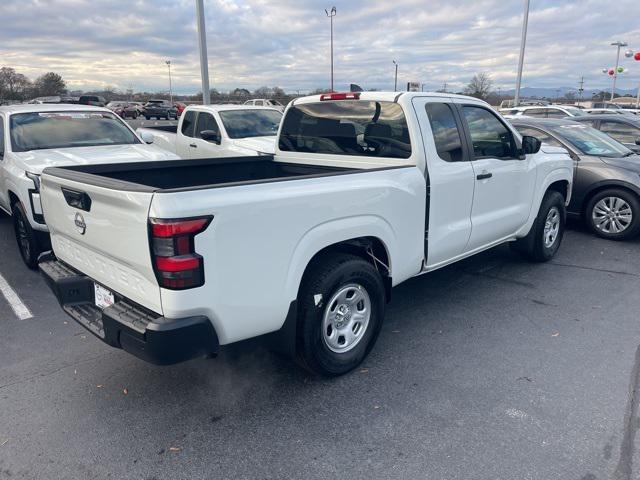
x=188, y=122
x=445, y=132
x=490, y=137
x=205, y=122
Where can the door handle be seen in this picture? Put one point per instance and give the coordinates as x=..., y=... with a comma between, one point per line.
x=484, y=175
x=193, y=145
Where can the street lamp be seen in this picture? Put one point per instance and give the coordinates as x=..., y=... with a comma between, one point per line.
x=395, y=83
x=618, y=44
x=168, y=62
x=523, y=42
x=331, y=13
x=204, y=58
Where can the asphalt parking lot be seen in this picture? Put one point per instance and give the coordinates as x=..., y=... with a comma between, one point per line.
x=489, y=369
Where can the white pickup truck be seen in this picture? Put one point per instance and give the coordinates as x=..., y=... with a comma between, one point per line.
x=209, y=131
x=365, y=190
x=34, y=136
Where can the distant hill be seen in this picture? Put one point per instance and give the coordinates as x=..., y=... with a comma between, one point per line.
x=535, y=92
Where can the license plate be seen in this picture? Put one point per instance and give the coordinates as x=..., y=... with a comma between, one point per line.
x=104, y=298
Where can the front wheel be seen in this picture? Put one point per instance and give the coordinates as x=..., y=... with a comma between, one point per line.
x=341, y=309
x=543, y=240
x=28, y=240
x=614, y=214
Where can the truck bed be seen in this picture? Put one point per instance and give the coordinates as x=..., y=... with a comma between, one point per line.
x=180, y=175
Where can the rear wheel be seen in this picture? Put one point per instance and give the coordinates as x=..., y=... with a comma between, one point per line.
x=28, y=240
x=614, y=214
x=543, y=240
x=341, y=309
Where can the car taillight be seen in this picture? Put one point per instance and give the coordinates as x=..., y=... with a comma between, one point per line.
x=176, y=264
x=340, y=96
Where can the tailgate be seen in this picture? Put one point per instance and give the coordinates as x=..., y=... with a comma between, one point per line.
x=107, y=240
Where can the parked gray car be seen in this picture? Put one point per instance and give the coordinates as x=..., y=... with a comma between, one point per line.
x=606, y=189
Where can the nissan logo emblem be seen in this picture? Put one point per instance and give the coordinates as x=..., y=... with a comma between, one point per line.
x=80, y=225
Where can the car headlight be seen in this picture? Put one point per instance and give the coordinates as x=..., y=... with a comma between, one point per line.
x=35, y=178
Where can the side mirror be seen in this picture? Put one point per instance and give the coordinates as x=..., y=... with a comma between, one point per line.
x=638, y=141
x=210, y=136
x=147, y=137
x=530, y=144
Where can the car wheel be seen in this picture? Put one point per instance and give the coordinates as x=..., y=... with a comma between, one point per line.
x=341, y=309
x=544, y=239
x=614, y=214
x=28, y=242
x=147, y=117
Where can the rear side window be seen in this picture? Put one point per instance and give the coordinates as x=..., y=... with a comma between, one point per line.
x=188, y=120
x=536, y=112
x=540, y=135
x=445, y=131
x=1, y=137
x=490, y=137
x=349, y=127
x=620, y=131
x=205, y=122
x=553, y=113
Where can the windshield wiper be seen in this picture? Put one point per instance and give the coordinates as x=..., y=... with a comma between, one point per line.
x=628, y=154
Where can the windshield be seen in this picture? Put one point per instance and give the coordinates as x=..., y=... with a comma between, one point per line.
x=590, y=141
x=250, y=123
x=39, y=131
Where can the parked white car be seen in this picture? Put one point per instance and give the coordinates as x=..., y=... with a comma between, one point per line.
x=365, y=191
x=208, y=131
x=35, y=136
x=546, y=111
x=265, y=102
x=609, y=111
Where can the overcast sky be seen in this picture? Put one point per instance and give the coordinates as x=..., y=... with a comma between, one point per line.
x=123, y=43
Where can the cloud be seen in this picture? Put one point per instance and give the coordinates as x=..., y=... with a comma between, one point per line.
x=124, y=43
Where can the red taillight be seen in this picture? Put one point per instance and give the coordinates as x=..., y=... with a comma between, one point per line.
x=340, y=96
x=175, y=261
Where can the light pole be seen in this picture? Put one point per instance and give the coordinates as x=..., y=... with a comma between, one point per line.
x=395, y=83
x=331, y=13
x=618, y=44
x=523, y=42
x=204, y=58
x=168, y=62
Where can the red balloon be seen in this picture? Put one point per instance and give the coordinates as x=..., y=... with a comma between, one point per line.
x=637, y=56
x=611, y=72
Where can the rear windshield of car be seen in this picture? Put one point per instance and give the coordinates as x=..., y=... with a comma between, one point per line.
x=250, y=123
x=349, y=127
x=43, y=130
x=590, y=141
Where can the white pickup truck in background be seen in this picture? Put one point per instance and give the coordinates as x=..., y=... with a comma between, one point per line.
x=169, y=260
x=34, y=136
x=208, y=131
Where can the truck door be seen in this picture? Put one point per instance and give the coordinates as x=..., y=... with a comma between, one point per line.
x=450, y=180
x=504, y=182
x=207, y=146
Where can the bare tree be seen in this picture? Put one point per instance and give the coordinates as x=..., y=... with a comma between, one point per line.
x=479, y=86
x=13, y=85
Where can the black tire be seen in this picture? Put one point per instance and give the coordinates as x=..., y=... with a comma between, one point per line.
x=147, y=117
x=29, y=242
x=328, y=275
x=537, y=245
x=631, y=229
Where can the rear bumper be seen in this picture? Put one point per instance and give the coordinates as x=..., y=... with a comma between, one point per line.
x=126, y=325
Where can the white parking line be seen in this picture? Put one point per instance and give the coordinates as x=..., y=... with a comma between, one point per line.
x=19, y=308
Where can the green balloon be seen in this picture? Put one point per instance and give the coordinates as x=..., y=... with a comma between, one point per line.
x=620, y=69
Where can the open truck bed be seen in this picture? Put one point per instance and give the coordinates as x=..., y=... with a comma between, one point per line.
x=181, y=175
